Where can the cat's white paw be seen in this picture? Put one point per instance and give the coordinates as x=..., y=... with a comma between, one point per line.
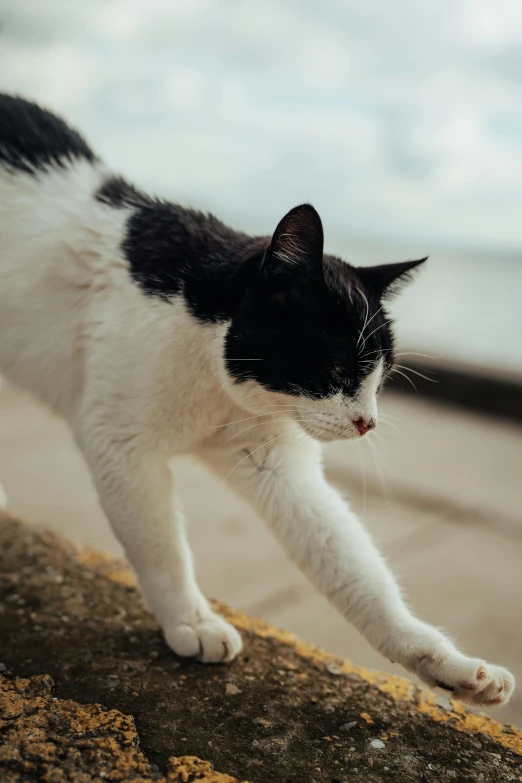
x=210, y=639
x=470, y=679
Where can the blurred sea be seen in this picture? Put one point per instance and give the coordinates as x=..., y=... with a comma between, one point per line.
x=462, y=306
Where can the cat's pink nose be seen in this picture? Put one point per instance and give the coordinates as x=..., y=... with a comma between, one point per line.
x=364, y=425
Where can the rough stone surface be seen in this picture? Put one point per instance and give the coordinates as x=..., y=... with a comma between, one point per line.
x=55, y=740
x=89, y=691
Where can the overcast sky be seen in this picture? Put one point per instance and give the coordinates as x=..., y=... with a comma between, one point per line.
x=396, y=119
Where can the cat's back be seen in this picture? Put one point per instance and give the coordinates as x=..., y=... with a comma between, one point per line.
x=47, y=170
x=48, y=175
x=49, y=230
x=32, y=139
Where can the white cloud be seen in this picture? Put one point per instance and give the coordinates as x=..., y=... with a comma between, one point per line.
x=386, y=115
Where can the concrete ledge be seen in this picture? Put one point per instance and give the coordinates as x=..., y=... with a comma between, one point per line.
x=90, y=691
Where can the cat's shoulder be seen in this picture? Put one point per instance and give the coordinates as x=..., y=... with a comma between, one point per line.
x=32, y=138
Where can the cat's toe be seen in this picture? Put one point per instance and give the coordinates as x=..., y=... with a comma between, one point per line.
x=498, y=689
x=470, y=679
x=210, y=640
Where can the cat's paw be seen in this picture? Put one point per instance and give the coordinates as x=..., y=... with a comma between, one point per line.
x=210, y=639
x=469, y=679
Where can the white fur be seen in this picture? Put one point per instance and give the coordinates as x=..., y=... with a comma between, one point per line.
x=140, y=380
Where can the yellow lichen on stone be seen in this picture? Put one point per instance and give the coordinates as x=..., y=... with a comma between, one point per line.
x=57, y=740
x=399, y=688
x=190, y=769
x=470, y=722
x=121, y=576
x=92, y=557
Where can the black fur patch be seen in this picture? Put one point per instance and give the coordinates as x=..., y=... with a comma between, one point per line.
x=304, y=336
x=173, y=251
x=32, y=138
x=116, y=192
x=309, y=323
x=296, y=316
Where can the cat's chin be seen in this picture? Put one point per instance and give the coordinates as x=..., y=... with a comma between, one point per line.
x=327, y=436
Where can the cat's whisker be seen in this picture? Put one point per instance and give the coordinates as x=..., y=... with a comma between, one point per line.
x=289, y=409
x=262, y=424
x=380, y=437
x=399, y=372
x=238, y=421
x=365, y=317
x=371, y=319
x=388, y=423
x=413, y=353
x=416, y=372
x=261, y=482
x=374, y=454
x=369, y=353
x=380, y=456
x=376, y=330
x=256, y=467
x=251, y=427
x=249, y=454
x=363, y=476
x=284, y=406
x=385, y=416
x=264, y=481
x=273, y=496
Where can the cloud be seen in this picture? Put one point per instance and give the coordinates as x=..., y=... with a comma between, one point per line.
x=395, y=119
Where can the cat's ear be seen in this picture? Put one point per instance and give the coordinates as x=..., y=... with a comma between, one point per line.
x=387, y=279
x=297, y=242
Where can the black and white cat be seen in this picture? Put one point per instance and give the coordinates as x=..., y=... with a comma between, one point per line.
x=157, y=330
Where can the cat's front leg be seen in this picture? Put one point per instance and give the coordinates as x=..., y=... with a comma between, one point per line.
x=136, y=491
x=284, y=482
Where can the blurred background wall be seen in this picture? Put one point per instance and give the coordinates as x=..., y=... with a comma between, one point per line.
x=402, y=123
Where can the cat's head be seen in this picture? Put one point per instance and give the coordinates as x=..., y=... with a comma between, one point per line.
x=311, y=337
